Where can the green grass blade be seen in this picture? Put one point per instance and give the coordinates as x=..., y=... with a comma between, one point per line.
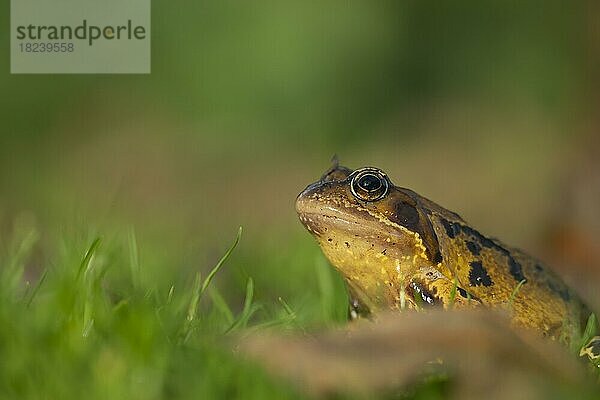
x=591, y=329
x=170, y=294
x=291, y=313
x=12, y=274
x=221, y=305
x=36, y=288
x=515, y=291
x=453, y=293
x=248, y=309
x=88, y=319
x=88, y=257
x=193, y=306
x=201, y=286
x=192, y=310
x=134, y=259
x=221, y=261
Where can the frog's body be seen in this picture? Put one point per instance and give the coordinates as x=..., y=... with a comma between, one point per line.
x=397, y=250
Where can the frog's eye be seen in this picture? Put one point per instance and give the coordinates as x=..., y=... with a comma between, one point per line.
x=369, y=184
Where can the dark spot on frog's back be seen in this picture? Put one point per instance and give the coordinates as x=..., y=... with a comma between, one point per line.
x=539, y=268
x=515, y=269
x=478, y=275
x=465, y=295
x=474, y=248
x=462, y=292
x=482, y=240
x=560, y=289
x=451, y=228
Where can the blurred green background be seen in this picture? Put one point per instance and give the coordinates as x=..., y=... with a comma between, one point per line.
x=488, y=108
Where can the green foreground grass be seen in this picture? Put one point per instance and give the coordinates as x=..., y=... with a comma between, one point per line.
x=91, y=325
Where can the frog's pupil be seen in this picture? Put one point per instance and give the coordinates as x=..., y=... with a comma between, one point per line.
x=370, y=183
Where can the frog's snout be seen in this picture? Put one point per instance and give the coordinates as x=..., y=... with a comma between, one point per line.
x=305, y=207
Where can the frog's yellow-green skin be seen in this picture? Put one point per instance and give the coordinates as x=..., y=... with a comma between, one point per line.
x=397, y=249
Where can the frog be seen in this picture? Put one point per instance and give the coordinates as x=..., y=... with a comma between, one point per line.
x=398, y=250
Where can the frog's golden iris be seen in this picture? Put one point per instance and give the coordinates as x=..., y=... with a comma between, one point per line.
x=397, y=249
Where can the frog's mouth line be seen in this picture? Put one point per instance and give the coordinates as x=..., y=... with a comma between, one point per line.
x=319, y=222
x=319, y=219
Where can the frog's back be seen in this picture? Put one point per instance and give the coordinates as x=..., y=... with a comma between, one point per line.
x=496, y=274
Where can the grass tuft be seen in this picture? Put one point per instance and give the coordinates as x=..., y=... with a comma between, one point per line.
x=249, y=308
x=98, y=323
x=200, y=287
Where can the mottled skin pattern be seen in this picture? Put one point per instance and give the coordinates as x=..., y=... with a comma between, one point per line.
x=399, y=250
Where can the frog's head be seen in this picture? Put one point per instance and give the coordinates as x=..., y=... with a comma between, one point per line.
x=373, y=232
